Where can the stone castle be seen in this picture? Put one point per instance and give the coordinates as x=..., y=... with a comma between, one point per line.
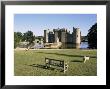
x=62, y=38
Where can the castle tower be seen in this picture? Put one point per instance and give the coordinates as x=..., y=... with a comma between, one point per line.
x=45, y=36
x=76, y=37
x=64, y=38
x=56, y=35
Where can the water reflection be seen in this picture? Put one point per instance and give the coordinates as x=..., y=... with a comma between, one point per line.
x=84, y=45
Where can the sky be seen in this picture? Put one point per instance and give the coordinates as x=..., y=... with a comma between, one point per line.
x=37, y=23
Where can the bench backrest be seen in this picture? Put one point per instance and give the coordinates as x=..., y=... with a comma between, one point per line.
x=54, y=62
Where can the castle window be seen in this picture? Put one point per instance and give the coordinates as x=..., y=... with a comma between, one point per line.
x=77, y=35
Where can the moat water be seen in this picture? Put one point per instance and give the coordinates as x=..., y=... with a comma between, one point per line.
x=83, y=45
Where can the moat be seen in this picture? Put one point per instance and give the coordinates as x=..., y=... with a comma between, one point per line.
x=84, y=45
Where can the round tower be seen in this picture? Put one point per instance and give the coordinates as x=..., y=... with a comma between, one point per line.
x=76, y=37
x=45, y=36
x=56, y=35
x=64, y=38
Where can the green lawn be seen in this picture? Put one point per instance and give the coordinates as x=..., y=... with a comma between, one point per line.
x=29, y=63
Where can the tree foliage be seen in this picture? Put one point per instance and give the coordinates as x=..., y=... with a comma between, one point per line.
x=27, y=36
x=92, y=36
x=17, y=38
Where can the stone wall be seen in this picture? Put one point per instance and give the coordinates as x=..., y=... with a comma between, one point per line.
x=67, y=39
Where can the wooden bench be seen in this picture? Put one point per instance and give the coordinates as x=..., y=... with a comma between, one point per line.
x=59, y=63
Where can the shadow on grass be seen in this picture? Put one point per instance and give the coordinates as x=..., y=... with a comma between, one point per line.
x=42, y=66
x=66, y=55
x=77, y=61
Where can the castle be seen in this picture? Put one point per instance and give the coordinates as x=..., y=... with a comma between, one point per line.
x=62, y=38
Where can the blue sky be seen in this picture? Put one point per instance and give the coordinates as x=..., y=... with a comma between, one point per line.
x=39, y=22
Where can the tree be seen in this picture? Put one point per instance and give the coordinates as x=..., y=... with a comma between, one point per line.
x=92, y=36
x=17, y=38
x=24, y=37
x=29, y=37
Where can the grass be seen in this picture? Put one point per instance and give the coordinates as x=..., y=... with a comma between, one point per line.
x=30, y=63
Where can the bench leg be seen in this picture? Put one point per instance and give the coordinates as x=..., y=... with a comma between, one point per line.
x=47, y=65
x=84, y=61
x=65, y=68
